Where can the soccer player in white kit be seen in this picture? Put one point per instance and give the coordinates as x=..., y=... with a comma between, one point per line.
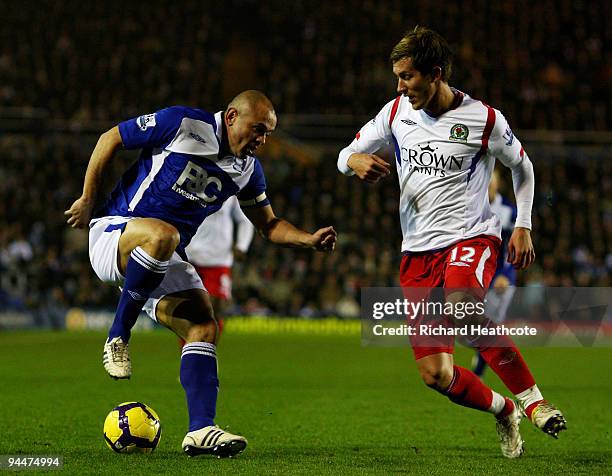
x=445, y=148
x=224, y=235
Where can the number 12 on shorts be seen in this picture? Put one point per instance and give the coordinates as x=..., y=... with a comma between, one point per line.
x=465, y=253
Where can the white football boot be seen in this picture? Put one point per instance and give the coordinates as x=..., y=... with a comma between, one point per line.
x=212, y=440
x=548, y=419
x=509, y=435
x=116, y=358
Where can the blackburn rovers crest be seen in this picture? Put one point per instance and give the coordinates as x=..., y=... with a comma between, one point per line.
x=459, y=132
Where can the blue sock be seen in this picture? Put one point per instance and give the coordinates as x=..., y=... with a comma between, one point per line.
x=480, y=366
x=199, y=379
x=142, y=275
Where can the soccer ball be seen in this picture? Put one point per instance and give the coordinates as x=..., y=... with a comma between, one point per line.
x=132, y=427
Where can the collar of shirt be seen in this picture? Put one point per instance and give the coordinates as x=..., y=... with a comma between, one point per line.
x=457, y=100
x=224, y=150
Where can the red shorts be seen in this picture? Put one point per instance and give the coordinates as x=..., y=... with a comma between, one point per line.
x=217, y=280
x=469, y=265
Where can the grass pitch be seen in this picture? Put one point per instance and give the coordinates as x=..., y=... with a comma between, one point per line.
x=308, y=404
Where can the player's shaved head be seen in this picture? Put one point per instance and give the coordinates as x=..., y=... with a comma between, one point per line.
x=249, y=119
x=250, y=101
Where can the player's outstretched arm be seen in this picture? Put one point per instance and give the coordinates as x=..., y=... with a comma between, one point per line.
x=520, y=248
x=283, y=233
x=80, y=211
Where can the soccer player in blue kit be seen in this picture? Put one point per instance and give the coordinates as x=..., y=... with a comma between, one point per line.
x=191, y=162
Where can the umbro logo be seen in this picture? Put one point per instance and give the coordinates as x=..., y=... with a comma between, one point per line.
x=509, y=136
x=197, y=137
x=509, y=358
x=136, y=296
x=408, y=122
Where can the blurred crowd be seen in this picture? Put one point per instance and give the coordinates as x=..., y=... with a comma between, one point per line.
x=44, y=264
x=544, y=63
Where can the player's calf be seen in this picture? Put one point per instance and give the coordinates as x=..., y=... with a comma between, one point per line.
x=203, y=332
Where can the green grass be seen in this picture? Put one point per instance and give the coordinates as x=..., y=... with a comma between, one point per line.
x=308, y=405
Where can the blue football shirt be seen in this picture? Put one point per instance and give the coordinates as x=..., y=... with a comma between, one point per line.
x=181, y=176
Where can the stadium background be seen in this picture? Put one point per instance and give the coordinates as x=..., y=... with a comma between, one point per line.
x=69, y=72
x=308, y=396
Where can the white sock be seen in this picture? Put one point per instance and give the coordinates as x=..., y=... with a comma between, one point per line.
x=529, y=396
x=498, y=403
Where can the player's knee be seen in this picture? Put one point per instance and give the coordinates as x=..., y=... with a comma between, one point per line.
x=459, y=297
x=206, y=331
x=163, y=238
x=438, y=378
x=467, y=308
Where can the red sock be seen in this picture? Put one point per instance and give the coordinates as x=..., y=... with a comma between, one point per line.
x=468, y=390
x=508, y=363
x=508, y=408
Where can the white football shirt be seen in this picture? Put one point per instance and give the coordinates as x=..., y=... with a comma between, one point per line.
x=444, y=166
x=213, y=244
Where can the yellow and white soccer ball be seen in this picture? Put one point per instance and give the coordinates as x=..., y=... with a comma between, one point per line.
x=132, y=427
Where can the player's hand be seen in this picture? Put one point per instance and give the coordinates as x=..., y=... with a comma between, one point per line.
x=369, y=167
x=324, y=239
x=79, y=214
x=520, y=249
